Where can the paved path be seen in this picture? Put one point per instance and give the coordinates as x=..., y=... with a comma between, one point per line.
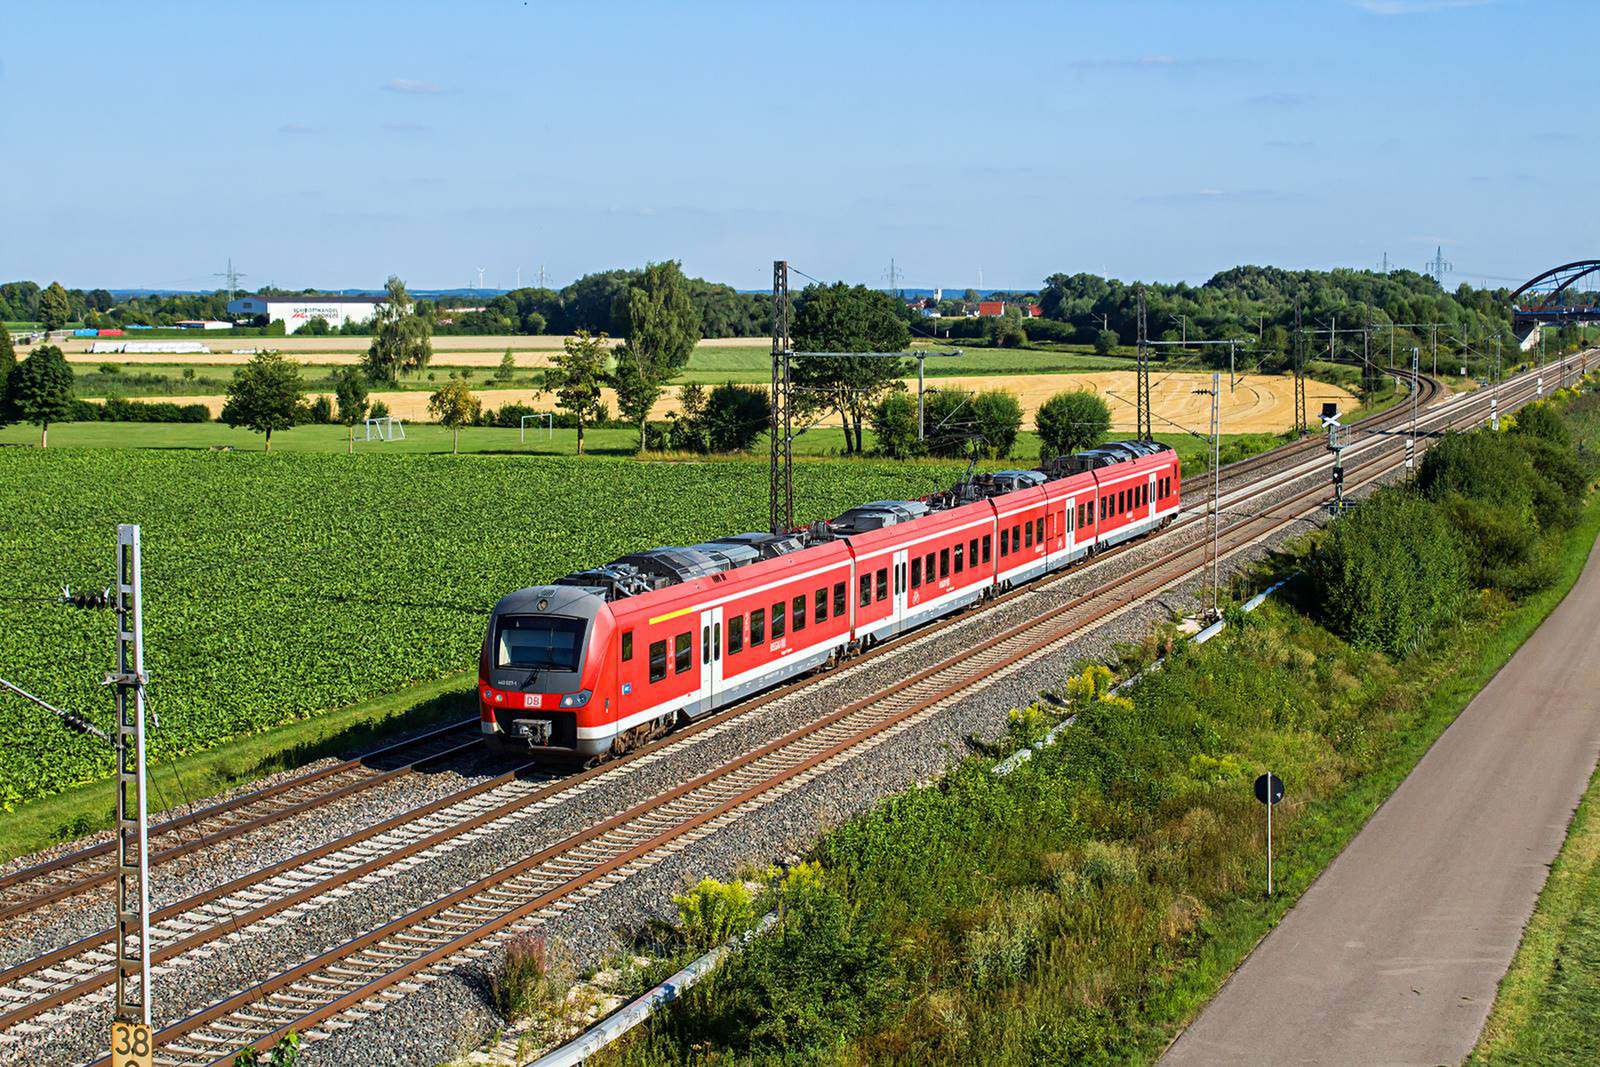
x=1393, y=956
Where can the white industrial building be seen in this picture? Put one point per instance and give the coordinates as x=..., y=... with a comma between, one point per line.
x=295, y=311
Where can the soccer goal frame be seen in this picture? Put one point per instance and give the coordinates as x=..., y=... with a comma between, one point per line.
x=386, y=428
x=549, y=426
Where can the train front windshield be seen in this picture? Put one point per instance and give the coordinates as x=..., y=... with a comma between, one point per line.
x=539, y=643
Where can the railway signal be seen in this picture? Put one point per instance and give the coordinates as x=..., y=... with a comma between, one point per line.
x=1330, y=420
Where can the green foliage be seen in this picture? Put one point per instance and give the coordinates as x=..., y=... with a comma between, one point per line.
x=350, y=389
x=841, y=318
x=735, y=417
x=264, y=395
x=285, y=1053
x=575, y=376
x=1005, y=331
x=315, y=326
x=660, y=327
x=1541, y=420
x=41, y=389
x=364, y=555
x=999, y=417
x=1106, y=341
x=712, y=912
x=507, y=369
x=455, y=405
x=1389, y=573
x=1070, y=422
x=379, y=410
x=401, y=339
x=55, y=310
x=8, y=364
x=320, y=411
x=894, y=425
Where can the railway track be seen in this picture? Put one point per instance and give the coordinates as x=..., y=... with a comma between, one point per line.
x=399, y=957
x=78, y=872
x=68, y=977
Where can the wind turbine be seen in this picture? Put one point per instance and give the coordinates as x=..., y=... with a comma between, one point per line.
x=480, y=277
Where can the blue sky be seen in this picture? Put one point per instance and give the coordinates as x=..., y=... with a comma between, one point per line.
x=334, y=144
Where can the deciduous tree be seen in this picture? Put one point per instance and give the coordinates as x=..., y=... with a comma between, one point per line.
x=41, y=390
x=455, y=406
x=1070, y=422
x=8, y=363
x=55, y=307
x=507, y=369
x=660, y=329
x=350, y=386
x=265, y=395
x=841, y=318
x=401, y=339
x=575, y=377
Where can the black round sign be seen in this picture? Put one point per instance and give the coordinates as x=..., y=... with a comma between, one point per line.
x=1269, y=788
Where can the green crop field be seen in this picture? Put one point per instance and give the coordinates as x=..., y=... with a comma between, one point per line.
x=281, y=585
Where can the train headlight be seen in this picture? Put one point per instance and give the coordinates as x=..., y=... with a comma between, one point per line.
x=576, y=700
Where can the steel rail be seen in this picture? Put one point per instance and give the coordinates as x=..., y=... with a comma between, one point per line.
x=33, y=887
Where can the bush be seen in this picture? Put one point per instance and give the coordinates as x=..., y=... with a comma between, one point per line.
x=1541, y=421
x=999, y=418
x=894, y=425
x=735, y=417
x=1005, y=331
x=712, y=912
x=1070, y=422
x=320, y=411
x=1048, y=330
x=1389, y=573
x=949, y=422
x=1105, y=341
x=379, y=410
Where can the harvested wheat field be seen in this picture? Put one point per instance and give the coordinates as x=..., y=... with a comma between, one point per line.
x=484, y=351
x=1256, y=404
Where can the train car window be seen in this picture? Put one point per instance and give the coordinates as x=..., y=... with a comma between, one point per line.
x=883, y=583
x=866, y=589
x=986, y=548
x=972, y=552
x=705, y=644
x=838, y=599
x=822, y=605
x=658, y=660
x=736, y=634
x=916, y=572
x=779, y=619
x=927, y=568
x=1038, y=530
x=944, y=563
x=798, y=605
x=959, y=558
x=1005, y=545
x=627, y=645
x=758, y=626
x=1027, y=535
x=682, y=653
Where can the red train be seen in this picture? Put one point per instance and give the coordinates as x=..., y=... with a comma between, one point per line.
x=606, y=659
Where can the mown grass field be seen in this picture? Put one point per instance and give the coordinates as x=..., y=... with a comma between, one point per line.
x=1548, y=1008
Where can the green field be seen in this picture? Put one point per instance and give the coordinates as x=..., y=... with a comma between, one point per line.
x=282, y=585
x=425, y=438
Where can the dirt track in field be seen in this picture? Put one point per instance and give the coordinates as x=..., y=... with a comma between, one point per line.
x=1256, y=403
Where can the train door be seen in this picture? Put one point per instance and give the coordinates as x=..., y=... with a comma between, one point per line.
x=900, y=586
x=711, y=654
x=1152, y=500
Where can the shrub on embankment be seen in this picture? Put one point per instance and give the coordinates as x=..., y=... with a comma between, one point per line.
x=1482, y=513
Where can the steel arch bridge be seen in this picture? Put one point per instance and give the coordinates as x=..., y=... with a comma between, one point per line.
x=1554, y=296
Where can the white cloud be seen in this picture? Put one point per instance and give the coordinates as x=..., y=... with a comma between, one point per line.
x=412, y=85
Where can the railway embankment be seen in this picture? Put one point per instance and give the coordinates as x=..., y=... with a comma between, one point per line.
x=1088, y=904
